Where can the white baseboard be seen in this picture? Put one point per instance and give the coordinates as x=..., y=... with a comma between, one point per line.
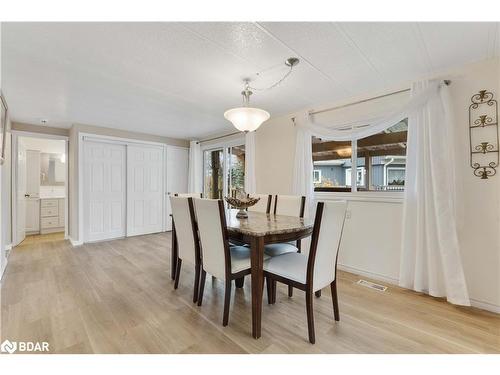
x=75, y=243
x=371, y=275
x=485, y=306
x=378, y=277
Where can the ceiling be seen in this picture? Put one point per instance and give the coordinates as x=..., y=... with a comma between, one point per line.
x=177, y=79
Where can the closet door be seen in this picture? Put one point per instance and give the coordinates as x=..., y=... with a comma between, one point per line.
x=177, y=175
x=144, y=189
x=104, y=191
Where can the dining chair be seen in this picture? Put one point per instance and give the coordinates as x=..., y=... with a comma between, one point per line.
x=316, y=271
x=218, y=258
x=289, y=205
x=264, y=203
x=183, y=218
x=189, y=195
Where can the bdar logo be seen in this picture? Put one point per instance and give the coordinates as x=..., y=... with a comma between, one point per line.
x=8, y=347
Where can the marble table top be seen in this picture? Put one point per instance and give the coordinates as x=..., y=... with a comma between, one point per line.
x=261, y=224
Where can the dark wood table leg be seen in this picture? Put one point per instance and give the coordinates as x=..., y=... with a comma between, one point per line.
x=173, y=257
x=257, y=246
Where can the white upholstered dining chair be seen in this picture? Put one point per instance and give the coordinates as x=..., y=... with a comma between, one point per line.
x=218, y=258
x=189, y=195
x=187, y=238
x=264, y=203
x=316, y=271
x=289, y=205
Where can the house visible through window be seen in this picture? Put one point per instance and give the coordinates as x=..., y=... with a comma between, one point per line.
x=380, y=162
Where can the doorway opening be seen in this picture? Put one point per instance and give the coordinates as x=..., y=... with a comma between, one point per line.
x=39, y=192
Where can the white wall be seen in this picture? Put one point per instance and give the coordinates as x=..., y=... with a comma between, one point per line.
x=371, y=245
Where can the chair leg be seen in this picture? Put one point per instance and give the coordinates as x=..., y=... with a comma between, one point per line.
x=290, y=291
x=317, y=293
x=269, y=285
x=227, y=300
x=177, y=272
x=274, y=286
x=240, y=282
x=196, y=282
x=202, y=286
x=335, y=299
x=310, y=317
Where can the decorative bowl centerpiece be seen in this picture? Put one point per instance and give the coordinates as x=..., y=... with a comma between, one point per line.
x=242, y=201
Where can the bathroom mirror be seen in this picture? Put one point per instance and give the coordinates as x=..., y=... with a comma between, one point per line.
x=52, y=169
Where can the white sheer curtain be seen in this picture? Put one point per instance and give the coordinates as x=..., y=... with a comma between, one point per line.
x=303, y=166
x=430, y=259
x=195, y=168
x=250, y=182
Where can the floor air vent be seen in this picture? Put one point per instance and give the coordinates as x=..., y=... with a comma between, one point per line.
x=371, y=285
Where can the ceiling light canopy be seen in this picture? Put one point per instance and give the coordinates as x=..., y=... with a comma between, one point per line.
x=246, y=118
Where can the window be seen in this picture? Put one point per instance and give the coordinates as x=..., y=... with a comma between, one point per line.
x=223, y=171
x=360, y=176
x=317, y=176
x=236, y=169
x=380, y=162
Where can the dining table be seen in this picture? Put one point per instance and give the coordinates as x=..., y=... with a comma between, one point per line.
x=258, y=230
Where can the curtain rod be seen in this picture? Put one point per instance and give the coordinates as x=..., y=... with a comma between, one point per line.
x=312, y=112
x=219, y=137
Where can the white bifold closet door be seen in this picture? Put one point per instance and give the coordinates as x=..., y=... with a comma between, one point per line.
x=144, y=189
x=104, y=191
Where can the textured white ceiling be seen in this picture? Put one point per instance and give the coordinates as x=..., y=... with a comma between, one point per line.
x=177, y=79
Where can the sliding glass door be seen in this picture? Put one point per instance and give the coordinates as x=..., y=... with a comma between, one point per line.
x=223, y=171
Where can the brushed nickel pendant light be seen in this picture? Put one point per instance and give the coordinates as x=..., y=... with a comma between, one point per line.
x=247, y=118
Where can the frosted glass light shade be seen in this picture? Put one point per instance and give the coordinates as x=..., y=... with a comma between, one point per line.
x=246, y=119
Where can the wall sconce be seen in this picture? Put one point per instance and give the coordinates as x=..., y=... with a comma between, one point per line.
x=483, y=134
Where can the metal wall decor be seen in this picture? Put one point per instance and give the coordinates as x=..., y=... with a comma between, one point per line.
x=483, y=134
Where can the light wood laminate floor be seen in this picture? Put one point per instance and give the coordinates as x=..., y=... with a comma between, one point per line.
x=117, y=297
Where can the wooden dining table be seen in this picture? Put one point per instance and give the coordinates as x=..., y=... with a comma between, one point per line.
x=258, y=230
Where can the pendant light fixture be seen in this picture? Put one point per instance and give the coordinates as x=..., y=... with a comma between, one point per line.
x=246, y=118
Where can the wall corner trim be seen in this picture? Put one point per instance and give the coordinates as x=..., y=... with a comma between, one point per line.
x=75, y=243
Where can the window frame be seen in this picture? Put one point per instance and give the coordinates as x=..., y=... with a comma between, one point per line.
x=353, y=190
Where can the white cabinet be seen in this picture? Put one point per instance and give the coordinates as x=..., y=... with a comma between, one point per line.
x=50, y=220
x=61, y=212
x=32, y=216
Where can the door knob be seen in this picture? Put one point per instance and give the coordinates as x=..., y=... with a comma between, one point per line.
x=26, y=195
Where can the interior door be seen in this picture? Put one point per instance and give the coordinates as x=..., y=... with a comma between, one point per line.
x=145, y=189
x=20, y=194
x=177, y=175
x=33, y=173
x=104, y=191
